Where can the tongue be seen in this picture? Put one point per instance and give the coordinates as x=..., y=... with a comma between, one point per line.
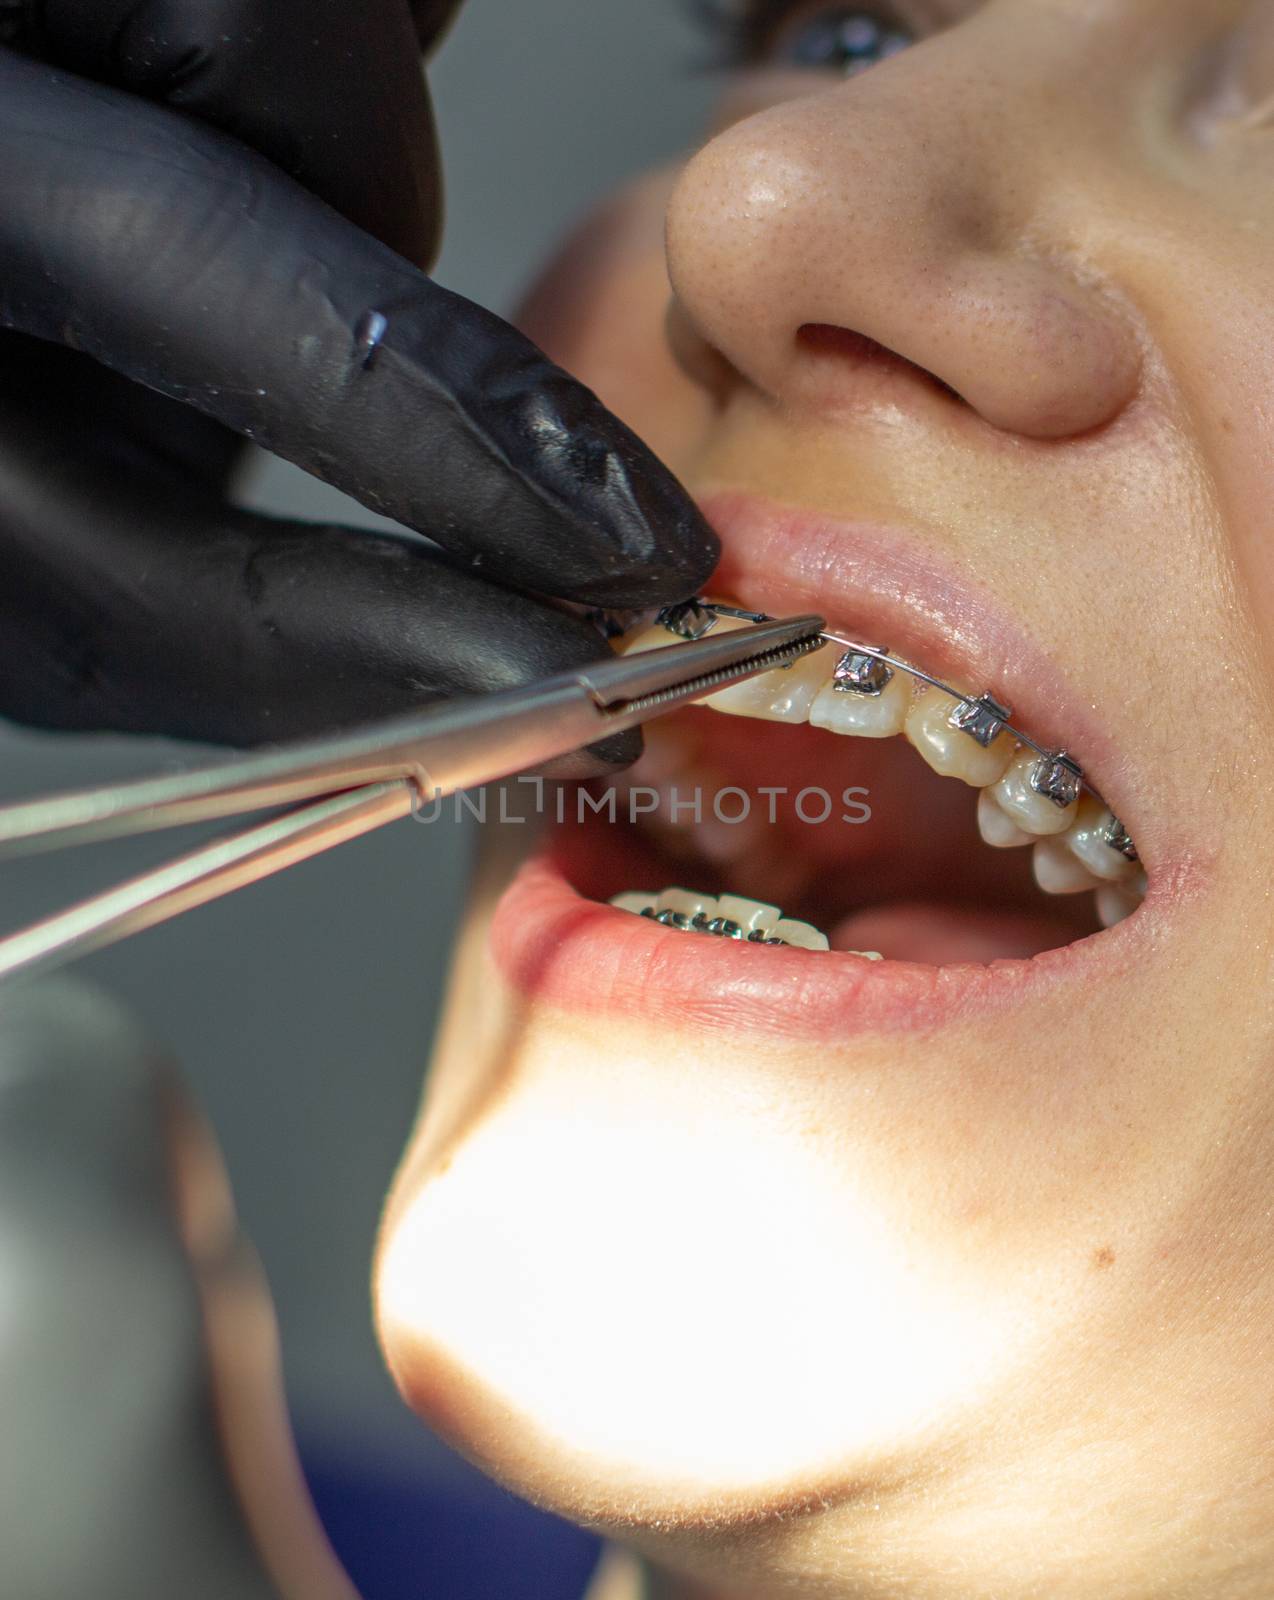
x=942, y=934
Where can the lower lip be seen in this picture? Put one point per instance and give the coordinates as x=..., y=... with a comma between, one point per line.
x=555, y=947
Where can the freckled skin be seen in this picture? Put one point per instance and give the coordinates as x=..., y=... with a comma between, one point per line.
x=1052, y=227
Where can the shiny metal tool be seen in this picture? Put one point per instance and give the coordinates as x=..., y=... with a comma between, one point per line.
x=348, y=784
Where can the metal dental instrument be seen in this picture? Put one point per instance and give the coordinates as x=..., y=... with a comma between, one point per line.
x=348, y=784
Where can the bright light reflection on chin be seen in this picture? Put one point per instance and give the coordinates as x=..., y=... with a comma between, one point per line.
x=672, y=1289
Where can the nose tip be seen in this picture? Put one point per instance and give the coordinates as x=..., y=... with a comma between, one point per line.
x=849, y=210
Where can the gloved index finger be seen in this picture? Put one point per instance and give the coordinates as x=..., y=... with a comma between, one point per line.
x=176, y=256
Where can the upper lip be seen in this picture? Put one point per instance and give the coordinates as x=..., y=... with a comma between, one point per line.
x=882, y=587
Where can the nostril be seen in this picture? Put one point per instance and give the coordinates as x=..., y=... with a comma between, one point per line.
x=825, y=341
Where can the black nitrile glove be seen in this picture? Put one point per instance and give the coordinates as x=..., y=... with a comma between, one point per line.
x=159, y=167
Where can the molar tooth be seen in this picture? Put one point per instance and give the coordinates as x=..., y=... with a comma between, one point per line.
x=950, y=749
x=1115, y=901
x=749, y=914
x=867, y=955
x=783, y=695
x=868, y=715
x=997, y=828
x=1096, y=838
x=633, y=900
x=799, y=934
x=1019, y=798
x=1057, y=871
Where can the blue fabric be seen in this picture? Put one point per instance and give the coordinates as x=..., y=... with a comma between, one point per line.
x=405, y=1540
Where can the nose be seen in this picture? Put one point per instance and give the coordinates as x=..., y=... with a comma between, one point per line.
x=912, y=210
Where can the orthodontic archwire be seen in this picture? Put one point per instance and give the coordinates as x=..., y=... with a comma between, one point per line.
x=866, y=669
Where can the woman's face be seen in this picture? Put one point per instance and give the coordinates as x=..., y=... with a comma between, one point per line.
x=947, y=1273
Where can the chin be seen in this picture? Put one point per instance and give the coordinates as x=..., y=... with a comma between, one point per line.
x=638, y=1292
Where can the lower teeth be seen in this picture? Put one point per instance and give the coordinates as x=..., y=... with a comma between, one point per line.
x=721, y=927
x=728, y=917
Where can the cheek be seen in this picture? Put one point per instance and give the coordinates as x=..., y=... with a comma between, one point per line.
x=1223, y=363
x=599, y=309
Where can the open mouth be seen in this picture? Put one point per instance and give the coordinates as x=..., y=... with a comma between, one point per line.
x=841, y=813
x=874, y=814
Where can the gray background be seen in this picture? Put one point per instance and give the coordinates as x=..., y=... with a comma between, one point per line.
x=302, y=1009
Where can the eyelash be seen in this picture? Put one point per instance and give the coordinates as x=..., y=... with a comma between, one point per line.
x=740, y=32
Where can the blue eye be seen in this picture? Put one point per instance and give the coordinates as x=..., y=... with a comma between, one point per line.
x=822, y=38
x=841, y=39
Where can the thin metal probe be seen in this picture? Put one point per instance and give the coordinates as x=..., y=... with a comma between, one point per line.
x=469, y=740
x=345, y=785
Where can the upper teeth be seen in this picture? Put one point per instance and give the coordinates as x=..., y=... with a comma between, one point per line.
x=1024, y=796
x=996, y=826
x=874, y=713
x=1101, y=842
x=982, y=718
x=1028, y=799
x=858, y=672
x=689, y=620
x=785, y=695
x=951, y=749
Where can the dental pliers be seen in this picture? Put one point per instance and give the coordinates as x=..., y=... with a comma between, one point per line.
x=336, y=788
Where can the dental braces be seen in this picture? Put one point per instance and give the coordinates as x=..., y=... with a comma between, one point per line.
x=721, y=927
x=867, y=669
